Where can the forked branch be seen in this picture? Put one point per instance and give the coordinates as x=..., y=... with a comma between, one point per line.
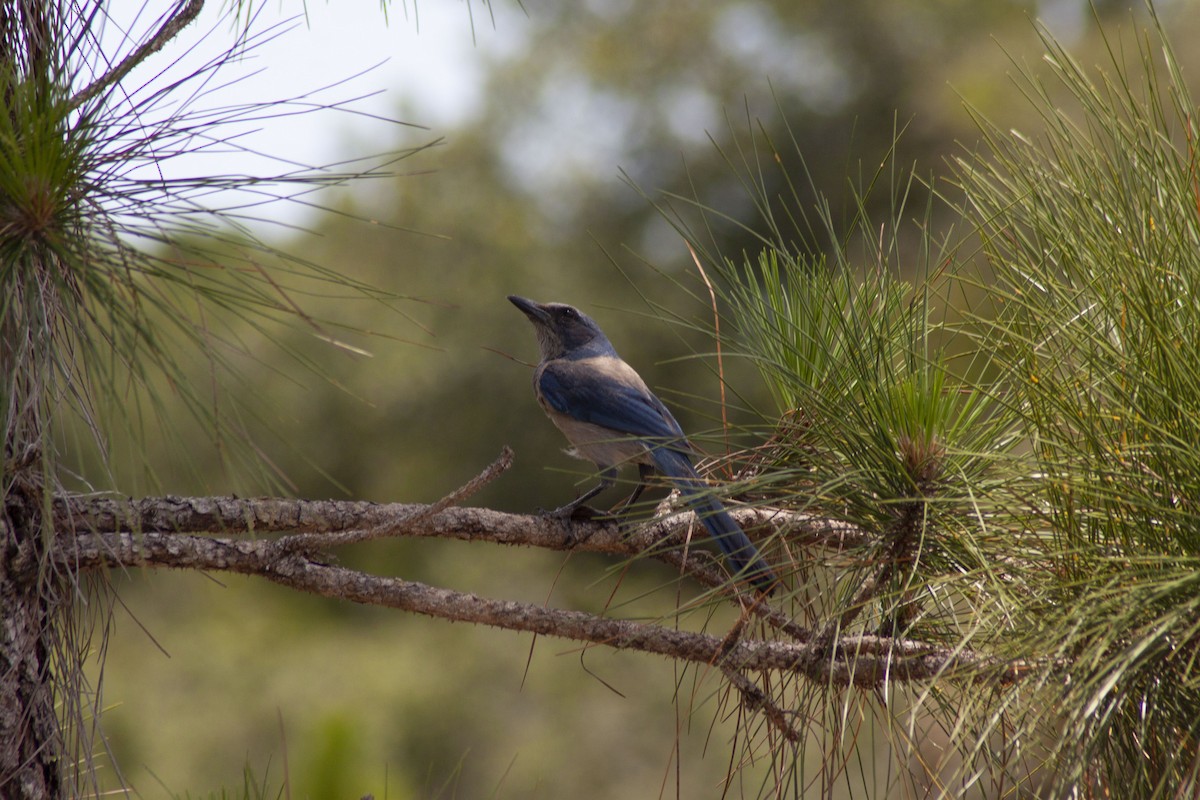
x=214, y=534
x=861, y=661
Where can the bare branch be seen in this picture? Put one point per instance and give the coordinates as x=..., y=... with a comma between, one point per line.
x=754, y=698
x=262, y=515
x=155, y=532
x=314, y=525
x=866, y=661
x=489, y=474
x=174, y=23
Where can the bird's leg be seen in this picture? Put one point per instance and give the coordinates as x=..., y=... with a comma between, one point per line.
x=576, y=507
x=644, y=473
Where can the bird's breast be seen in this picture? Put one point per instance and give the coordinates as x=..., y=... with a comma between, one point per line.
x=611, y=369
x=603, y=447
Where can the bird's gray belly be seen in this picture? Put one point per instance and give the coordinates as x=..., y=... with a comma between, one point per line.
x=603, y=447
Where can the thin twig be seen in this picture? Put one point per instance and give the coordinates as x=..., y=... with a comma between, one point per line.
x=756, y=699
x=753, y=696
x=903, y=541
x=166, y=32
x=712, y=296
x=310, y=541
x=489, y=474
x=867, y=591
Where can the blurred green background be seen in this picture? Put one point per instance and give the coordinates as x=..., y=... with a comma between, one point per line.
x=208, y=676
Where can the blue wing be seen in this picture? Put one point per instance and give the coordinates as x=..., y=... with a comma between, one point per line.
x=606, y=391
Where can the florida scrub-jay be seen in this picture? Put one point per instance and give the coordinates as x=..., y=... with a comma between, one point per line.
x=611, y=418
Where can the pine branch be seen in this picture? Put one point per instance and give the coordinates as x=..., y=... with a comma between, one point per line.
x=170, y=28
x=316, y=525
x=160, y=532
x=338, y=522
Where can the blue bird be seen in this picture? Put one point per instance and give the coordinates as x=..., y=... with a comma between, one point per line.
x=611, y=418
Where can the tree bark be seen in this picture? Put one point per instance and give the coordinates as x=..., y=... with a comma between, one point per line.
x=30, y=737
x=282, y=540
x=161, y=532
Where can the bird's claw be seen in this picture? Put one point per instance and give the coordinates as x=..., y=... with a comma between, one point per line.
x=573, y=512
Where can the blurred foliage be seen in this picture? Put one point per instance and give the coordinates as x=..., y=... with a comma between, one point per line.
x=528, y=198
x=1091, y=227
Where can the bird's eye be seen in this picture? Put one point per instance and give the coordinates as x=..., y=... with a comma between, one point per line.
x=569, y=312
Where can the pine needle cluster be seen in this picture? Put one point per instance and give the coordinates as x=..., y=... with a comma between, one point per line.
x=1011, y=415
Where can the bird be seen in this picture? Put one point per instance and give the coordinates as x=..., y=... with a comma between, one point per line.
x=611, y=418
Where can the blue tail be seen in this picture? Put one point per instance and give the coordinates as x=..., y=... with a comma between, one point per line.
x=743, y=556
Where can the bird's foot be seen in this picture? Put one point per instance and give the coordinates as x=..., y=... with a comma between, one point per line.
x=572, y=511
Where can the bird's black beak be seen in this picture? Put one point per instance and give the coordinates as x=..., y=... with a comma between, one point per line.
x=535, y=311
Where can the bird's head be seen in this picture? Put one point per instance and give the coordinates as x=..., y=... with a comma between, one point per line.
x=561, y=329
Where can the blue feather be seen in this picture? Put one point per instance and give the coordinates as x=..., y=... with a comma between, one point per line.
x=611, y=417
x=576, y=389
x=742, y=554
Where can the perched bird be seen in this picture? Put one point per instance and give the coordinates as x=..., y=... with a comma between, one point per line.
x=611, y=418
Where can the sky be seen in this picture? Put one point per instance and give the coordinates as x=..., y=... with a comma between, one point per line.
x=420, y=63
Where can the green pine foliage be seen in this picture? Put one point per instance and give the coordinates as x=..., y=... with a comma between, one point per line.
x=1012, y=418
x=117, y=287
x=1091, y=231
